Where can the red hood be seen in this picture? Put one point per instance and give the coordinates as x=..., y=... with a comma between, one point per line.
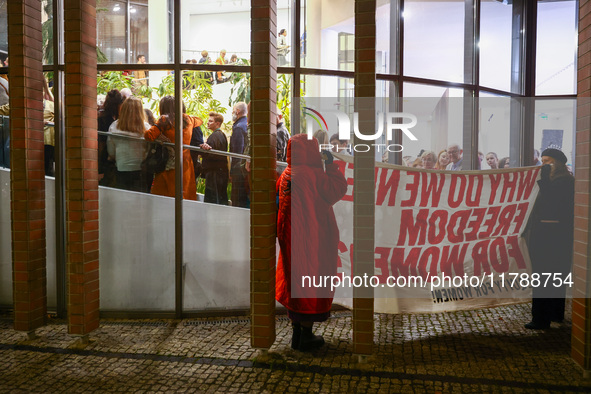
x=305, y=151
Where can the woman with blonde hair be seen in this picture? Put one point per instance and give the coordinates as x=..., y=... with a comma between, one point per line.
x=418, y=163
x=322, y=137
x=442, y=160
x=127, y=153
x=165, y=130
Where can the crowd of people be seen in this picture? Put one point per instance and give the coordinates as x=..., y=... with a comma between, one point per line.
x=141, y=77
x=121, y=158
x=48, y=124
x=451, y=159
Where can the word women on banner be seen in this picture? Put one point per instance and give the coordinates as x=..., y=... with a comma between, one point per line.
x=434, y=224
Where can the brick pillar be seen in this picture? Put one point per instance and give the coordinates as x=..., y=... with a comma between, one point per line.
x=364, y=196
x=27, y=174
x=82, y=216
x=262, y=206
x=581, y=340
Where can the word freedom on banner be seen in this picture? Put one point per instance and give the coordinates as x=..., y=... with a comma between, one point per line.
x=435, y=224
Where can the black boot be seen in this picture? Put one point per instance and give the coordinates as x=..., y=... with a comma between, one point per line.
x=309, y=341
x=295, y=337
x=537, y=326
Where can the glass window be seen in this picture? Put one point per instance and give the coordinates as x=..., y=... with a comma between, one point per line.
x=386, y=38
x=6, y=296
x=47, y=30
x=111, y=25
x=327, y=86
x=127, y=29
x=208, y=28
x=4, y=133
x=494, y=131
x=496, y=46
x=137, y=228
x=555, y=126
x=329, y=28
x=285, y=31
x=138, y=30
x=439, y=113
x=3, y=32
x=434, y=40
x=556, y=50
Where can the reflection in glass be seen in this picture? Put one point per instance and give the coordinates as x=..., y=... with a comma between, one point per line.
x=47, y=30
x=496, y=45
x=386, y=37
x=327, y=86
x=494, y=130
x=554, y=126
x=128, y=29
x=556, y=50
x=434, y=40
x=3, y=32
x=138, y=30
x=340, y=90
x=111, y=30
x=328, y=34
x=210, y=27
x=440, y=119
x=4, y=131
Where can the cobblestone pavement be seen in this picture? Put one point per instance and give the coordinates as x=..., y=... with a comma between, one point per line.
x=476, y=351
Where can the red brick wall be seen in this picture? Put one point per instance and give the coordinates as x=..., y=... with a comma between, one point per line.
x=262, y=206
x=364, y=197
x=581, y=339
x=82, y=239
x=26, y=161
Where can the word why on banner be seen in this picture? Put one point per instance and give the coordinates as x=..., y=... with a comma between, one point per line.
x=451, y=224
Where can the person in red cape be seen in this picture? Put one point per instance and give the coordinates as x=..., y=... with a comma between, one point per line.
x=308, y=236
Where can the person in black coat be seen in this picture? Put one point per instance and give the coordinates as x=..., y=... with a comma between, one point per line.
x=551, y=228
x=215, y=167
x=108, y=113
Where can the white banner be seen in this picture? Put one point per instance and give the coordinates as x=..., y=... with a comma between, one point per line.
x=444, y=240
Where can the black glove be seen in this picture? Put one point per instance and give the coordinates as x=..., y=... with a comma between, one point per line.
x=326, y=156
x=545, y=172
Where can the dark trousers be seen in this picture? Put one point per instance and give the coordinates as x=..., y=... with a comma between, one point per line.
x=546, y=310
x=216, y=186
x=130, y=180
x=109, y=178
x=49, y=160
x=240, y=197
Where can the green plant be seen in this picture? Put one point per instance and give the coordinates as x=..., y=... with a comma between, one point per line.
x=284, y=95
x=47, y=34
x=240, y=90
x=112, y=80
x=201, y=185
x=197, y=94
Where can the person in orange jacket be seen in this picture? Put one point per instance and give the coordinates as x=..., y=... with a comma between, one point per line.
x=164, y=131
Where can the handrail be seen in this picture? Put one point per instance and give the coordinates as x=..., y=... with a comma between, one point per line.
x=189, y=147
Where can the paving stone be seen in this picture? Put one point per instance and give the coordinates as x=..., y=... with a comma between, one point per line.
x=485, y=350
